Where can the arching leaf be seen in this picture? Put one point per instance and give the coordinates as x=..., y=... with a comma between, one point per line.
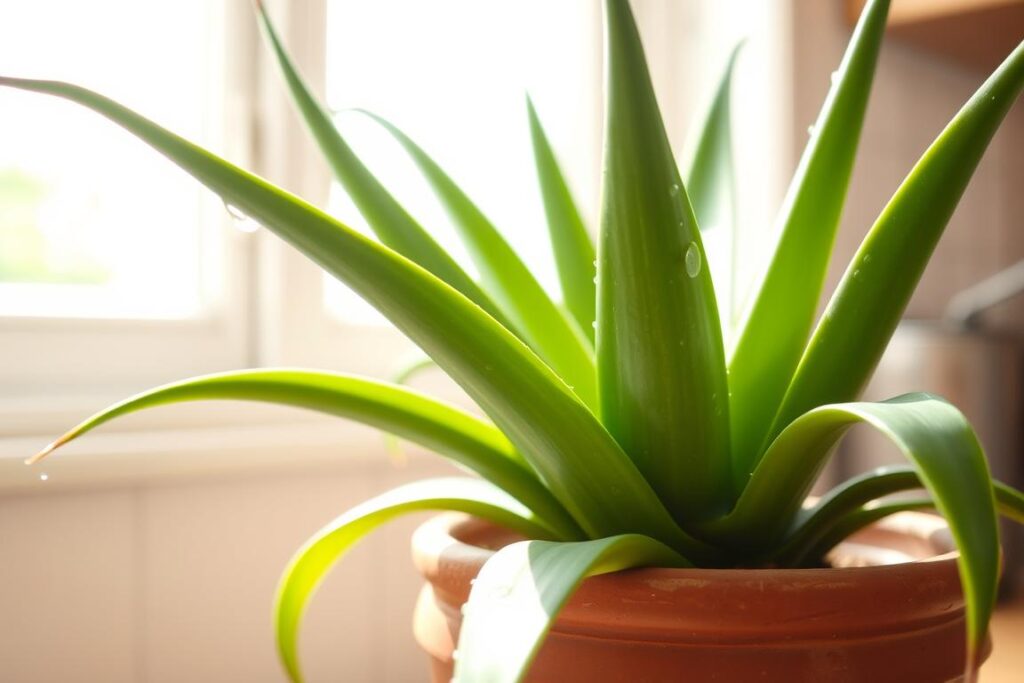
x=316, y=558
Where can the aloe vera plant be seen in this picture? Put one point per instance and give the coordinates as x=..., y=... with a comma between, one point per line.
x=620, y=431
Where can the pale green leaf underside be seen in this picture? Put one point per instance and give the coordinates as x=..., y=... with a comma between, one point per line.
x=774, y=329
x=447, y=430
x=520, y=591
x=312, y=562
x=575, y=457
x=507, y=279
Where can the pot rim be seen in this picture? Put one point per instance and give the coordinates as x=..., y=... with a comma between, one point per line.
x=441, y=534
x=739, y=607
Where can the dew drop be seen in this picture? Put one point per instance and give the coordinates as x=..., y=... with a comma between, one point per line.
x=673, y=190
x=867, y=258
x=594, y=324
x=811, y=129
x=856, y=273
x=44, y=477
x=242, y=222
x=693, y=260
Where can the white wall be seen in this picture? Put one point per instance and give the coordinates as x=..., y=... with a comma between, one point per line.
x=171, y=582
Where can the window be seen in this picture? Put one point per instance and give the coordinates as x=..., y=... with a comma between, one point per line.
x=117, y=271
x=112, y=260
x=92, y=224
x=461, y=95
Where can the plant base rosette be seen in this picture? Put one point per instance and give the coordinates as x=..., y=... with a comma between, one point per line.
x=891, y=611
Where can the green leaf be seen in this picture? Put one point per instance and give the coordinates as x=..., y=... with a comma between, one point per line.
x=774, y=329
x=522, y=299
x=871, y=297
x=451, y=432
x=312, y=562
x=853, y=522
x=1010, y=502
x=812, y=524
x=385, y=216
x=572, y=453
x=710, y=175
x=571, y=243
x=408, y=368
x=520, y=591
x=661, y=367
x=944, y=450
x=412, y=366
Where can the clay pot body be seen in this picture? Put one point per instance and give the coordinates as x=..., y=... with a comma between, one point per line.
x=899, y=619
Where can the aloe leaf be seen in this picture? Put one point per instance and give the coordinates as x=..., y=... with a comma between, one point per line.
x=661, y=367
x=944, y=450
x=573, y=248
x=813, y=523
x=775, y=327
x=408, y=368
x=312, y=562
x=710, y=176
x=854, y=521
x=453, y=433
x=866, y=306
x=810, y=524
x=412, y=366
x=385, y=216
x=575, y=457
x=542, y=325
x=1010, y=502
x=519, y=592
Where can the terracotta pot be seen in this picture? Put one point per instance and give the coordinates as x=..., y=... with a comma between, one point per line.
x=892, y=611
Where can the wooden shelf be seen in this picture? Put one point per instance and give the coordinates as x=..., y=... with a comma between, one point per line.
x=979, y=33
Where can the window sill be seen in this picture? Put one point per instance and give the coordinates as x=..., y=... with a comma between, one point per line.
x=148, y=456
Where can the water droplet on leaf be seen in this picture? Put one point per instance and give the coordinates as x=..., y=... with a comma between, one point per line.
x=241, y=221
x=693, y=260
